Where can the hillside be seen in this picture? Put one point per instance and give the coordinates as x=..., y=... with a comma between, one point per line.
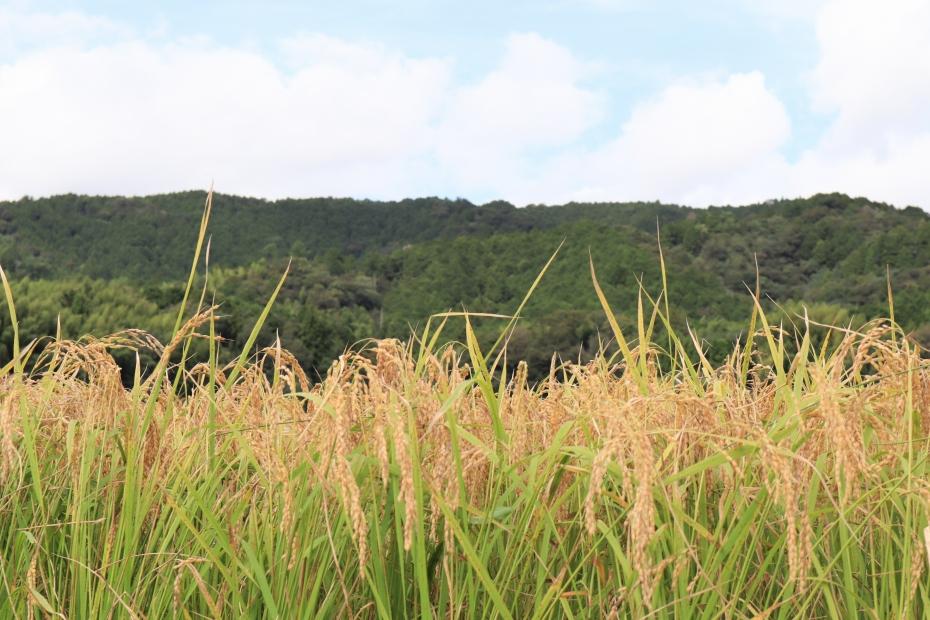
x=372, y=269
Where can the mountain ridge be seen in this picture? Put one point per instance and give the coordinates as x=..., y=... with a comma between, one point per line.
x=371, y=268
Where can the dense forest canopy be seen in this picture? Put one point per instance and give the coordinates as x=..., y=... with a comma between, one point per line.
x=365, y=269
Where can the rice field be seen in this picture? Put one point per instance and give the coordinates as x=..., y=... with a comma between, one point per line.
x=423, y=479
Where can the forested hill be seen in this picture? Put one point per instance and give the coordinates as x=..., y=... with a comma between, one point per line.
x=152, y=236
x=366, y=268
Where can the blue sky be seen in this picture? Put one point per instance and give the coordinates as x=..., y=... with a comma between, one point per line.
x=726, y=101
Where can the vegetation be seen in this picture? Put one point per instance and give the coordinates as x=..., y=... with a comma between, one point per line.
x=425, y=480
x=365, y=269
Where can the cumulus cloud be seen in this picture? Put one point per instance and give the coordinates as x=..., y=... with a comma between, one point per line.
x=100, y=109
x=874, y=69
x=722, y=140
x=873, y=76
x=137, y=117
x=335, y=117
x=698, y=141
x=533, y=100
x=694, y=142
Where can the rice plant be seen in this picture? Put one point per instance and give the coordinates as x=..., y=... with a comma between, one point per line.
x=432, y=479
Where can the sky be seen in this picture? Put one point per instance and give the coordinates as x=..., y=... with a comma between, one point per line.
x=549, y=101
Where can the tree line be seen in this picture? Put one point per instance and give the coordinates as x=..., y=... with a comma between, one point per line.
x=365, y=269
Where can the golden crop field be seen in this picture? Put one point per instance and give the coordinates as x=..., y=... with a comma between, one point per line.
x=424, y=479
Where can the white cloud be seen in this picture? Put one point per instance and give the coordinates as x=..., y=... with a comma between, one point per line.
x=874, y=70
x=696, y=142
x=136, y=117
x=101, y=110
x=533, y=100
x=873, y=75
x=697, y=133
x=722, y=141
x=343, y=118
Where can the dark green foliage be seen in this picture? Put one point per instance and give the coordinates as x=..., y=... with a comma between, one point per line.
x=372, y=269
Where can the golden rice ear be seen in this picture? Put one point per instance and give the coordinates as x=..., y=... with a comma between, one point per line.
x=16, y=362
x=9, y=454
